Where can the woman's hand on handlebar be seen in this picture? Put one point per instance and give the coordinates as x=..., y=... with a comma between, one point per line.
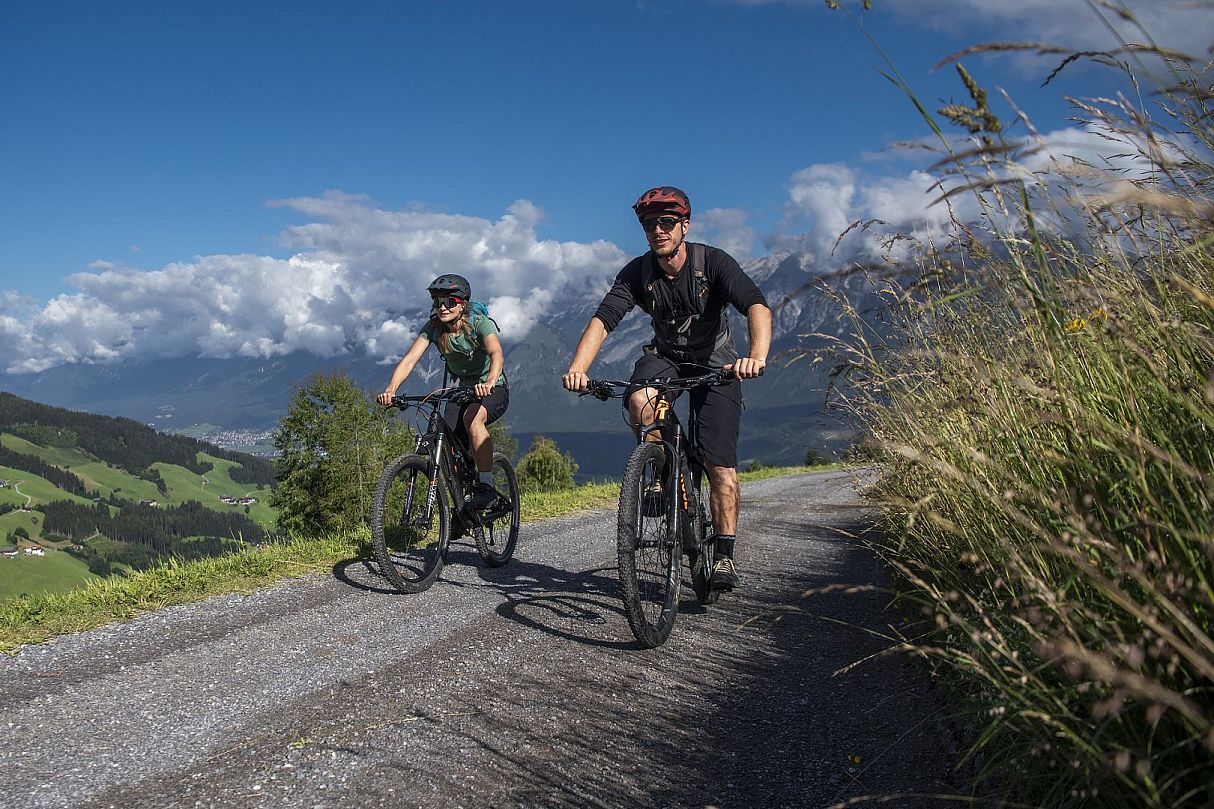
x=746, y=367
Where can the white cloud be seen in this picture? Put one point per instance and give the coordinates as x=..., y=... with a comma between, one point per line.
x=725, y=228
x=825, y=201
x=356, y=282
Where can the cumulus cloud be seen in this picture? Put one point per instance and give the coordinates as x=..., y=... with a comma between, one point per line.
x=356, y=282
x=725, y=228
x=838, y=213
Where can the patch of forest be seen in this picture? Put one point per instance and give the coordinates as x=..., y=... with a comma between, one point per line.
x=145, y=535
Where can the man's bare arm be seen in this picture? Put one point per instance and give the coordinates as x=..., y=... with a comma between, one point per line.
x=587, y=349
x=758, y=325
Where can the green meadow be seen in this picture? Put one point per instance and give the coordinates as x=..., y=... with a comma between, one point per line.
x=39, y=489
x=57, y=572
x=31, y=521
x=207, y=489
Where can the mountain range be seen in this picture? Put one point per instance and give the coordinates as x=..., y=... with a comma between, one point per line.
x=784, y=415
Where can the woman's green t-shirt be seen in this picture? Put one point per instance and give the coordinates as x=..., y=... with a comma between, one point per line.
x=466, y=356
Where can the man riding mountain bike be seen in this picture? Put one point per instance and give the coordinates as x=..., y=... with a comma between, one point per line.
x=686, y=288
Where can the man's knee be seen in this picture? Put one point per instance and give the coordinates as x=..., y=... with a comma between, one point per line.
x=639, y=407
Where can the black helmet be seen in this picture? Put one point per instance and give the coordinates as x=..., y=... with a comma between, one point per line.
x=456, y=285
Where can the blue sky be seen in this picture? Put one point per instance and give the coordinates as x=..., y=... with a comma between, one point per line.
x=148, y=143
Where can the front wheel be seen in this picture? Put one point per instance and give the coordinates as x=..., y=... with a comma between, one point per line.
x=498, y=533
x=649, y=547
x=701, y=560
x=408, y=536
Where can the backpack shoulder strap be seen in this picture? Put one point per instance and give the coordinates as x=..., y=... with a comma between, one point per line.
x=649, y=269
x=699, y=272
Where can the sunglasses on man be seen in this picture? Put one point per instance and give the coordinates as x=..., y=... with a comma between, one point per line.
x=447, y=302
x=665, y=223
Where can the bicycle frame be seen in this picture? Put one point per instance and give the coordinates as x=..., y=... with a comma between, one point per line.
x=669, y=430
x=449, y=460
x=686, y=460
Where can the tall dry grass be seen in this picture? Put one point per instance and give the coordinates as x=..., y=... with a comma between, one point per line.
x=1042, y=416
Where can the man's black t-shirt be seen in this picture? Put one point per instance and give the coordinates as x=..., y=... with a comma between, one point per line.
x=673, y=304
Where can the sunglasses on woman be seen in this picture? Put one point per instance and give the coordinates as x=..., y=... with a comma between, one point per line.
x=447, y=302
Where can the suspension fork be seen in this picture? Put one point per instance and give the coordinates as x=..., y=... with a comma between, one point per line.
x=435, y=445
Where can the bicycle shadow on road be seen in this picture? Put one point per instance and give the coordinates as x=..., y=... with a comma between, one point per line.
x=568, y=605
x=362, y=573
x=582, y=606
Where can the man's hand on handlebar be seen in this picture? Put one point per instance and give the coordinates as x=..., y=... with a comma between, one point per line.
x=385, y=398
x=576, y=381
x=747, y=368
x=483, y=389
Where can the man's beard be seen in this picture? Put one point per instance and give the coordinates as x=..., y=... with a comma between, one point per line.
x=669, y=249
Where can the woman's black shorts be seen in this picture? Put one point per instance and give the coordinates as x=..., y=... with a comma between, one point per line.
x=716, y=412
x=495, y=403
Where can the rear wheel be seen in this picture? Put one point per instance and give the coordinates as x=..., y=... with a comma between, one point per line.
x=408, y=542
x=498, y=534
x=649, y=548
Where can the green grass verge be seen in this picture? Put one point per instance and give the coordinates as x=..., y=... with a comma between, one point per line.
x=36, y=618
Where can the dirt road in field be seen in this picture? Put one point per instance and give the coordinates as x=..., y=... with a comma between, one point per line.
x=519, y=686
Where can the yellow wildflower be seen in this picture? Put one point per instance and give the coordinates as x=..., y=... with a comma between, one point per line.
x=1076, y=325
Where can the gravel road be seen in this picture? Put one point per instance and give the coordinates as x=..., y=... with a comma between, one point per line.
x=519, y=686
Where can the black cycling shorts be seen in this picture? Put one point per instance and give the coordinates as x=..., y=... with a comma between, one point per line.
x=495, y=403
x=715, y=412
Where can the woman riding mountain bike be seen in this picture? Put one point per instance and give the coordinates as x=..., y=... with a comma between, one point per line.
x=468, y=342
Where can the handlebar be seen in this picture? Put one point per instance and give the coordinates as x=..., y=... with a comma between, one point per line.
x=604, y=389
x=453, y=394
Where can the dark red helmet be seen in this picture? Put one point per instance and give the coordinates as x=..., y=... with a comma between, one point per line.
x=665, y=199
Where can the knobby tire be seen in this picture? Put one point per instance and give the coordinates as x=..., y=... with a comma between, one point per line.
x=649, y=550
x=408, y=547
x=495, y=539
x=700, y=561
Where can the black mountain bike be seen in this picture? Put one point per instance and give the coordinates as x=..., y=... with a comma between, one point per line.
x=663, y=513
x=421, y=502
